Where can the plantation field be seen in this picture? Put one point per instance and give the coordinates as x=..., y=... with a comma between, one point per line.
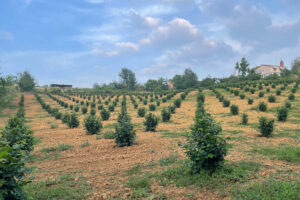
x=69, y=164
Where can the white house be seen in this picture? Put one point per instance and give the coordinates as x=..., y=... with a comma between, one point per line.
x=266, y=70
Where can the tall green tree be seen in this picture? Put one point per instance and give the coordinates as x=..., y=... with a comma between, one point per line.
x=128, y=78
x=237, y=68
x=296, y=66
x=154, y=85
x=26, y=81
x=190, y=78
x=244, y=67
x=178, y=82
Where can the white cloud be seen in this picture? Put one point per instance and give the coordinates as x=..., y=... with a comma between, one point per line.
x=155, y=10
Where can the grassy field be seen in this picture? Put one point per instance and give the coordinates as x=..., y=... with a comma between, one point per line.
x=69, y=164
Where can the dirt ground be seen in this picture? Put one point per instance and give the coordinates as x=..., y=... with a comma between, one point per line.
x=104, y=165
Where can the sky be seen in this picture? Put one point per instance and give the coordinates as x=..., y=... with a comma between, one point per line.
x=82, y=42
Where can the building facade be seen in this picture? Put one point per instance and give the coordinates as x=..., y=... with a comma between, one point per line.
x=266, y=70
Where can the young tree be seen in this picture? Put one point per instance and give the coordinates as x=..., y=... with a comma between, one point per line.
x=128, y=78
x=237, y=68
x=26, y=81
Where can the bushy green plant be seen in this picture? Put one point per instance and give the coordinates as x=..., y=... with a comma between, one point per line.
x=282, y=114
x=268, y=90
x=152, y=107
x=261, y=94
x=92, y=124
x=204, y=147
x=278, y=92
x=234, y=109
x=250, y=101
x=76, y=109
x=236, y=93
x=145, y=102
x=242, y=96
x=252, y=91
x=172, y=108
x=100, y=107
x=244, y=119
x=291, y=97
x=272, y=99
x=124, y=131
x=151, y=122
x=266, y=126
x=158, y=103
x=66, y=118
x=93, y=111
x=141, y=112
x=165, y=115
x=182, y=96
x=262, y=107
x=73, y=121
x=84, y=110
x=177, y=103
x=288, y=105
x=111, y=108
x=226, y=103
x=105, y=114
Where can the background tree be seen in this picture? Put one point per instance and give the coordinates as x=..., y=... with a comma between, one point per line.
x=178, y=82
x=244, y=67
x=26, y=81
x=296, y=66
x=237, y=68
x=190, y=78
x=128, y=78
x=154, y=85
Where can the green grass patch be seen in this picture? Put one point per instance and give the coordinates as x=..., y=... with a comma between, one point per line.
x=140, y=186
x=269, y=190
x=282, y=152
x=233, y=131
x=172, y=134
x=292, y=133
x=63, y=187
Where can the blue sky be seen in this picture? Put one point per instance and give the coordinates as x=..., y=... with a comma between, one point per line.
x=82, y=42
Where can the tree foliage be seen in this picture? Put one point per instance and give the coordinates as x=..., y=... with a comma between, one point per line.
x=26, y=81
x=128, y=79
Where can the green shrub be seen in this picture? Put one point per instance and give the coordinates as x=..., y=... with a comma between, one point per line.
x=66, y=118
x=268, y=90
x=93, y=111
x=234, y=109
x=278, y=92
x=172, y=109
x=293, y=90
x=288, y=105
x=151, y=122
x=252, y=91
x=58, y=115
x=282, y=114
x=152, y=107
x=205, y=148
x=261, y=94
x=111, y=108
x=250, y=101
x=73, y=121
x=124, y=132
x=266, y=126
x=244, y=119
x=92, y=124
x=177, y=103
x=76, y=109
x=291, y=97
x=236, y=93
x=71, y=107
x=141, y=112
x=200, y=97
x=272, y=99
x=145, y=102
x=242, y=96
x=100, y=107
x=182, y=96
x=165, y=115
x=105, y=114
x=262, y=107
x=226, y=103
x=158, y=103
x=84, y=110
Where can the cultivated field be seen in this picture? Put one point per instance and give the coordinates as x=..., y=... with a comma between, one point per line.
x=71, y=164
